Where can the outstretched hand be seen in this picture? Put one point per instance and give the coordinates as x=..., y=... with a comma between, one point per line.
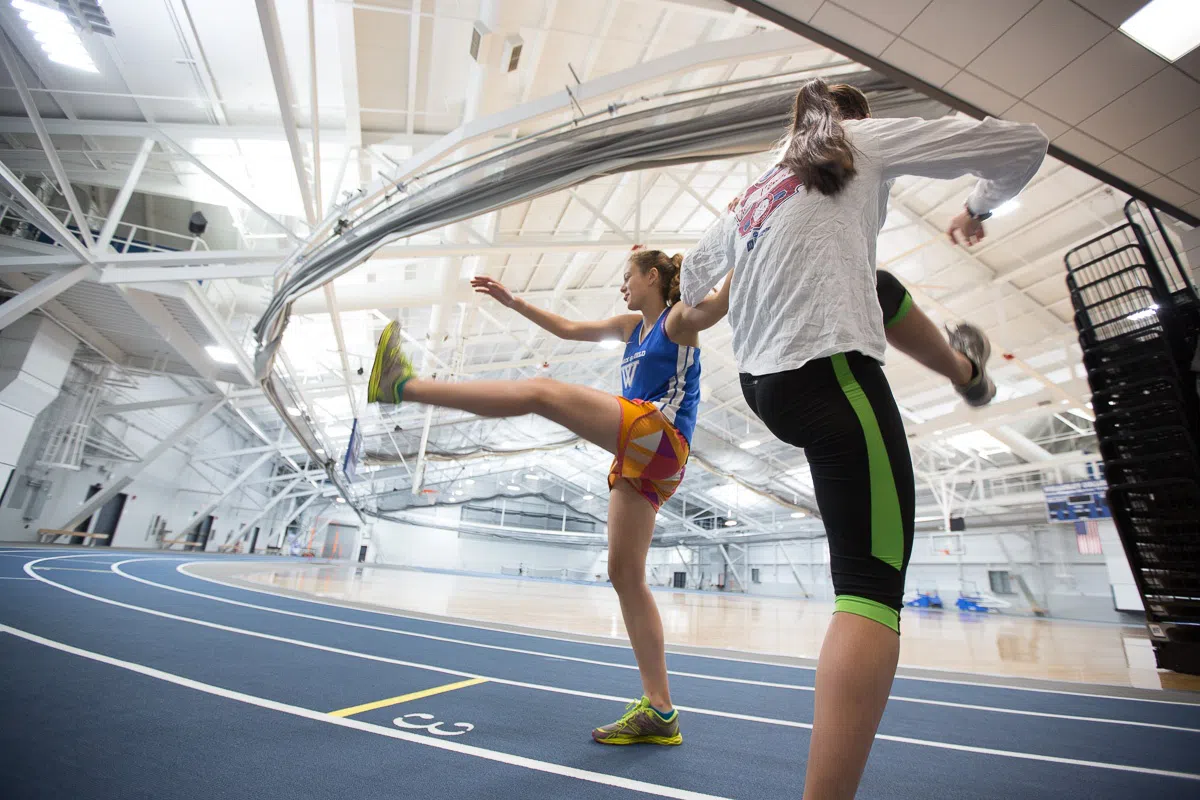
x=494, y=289
x=965, y=230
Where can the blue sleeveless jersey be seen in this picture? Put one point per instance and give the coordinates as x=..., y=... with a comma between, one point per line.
x=664, y=373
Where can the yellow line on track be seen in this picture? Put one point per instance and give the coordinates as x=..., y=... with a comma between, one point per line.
x=404, y=698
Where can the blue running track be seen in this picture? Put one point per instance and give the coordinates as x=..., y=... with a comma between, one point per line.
x=126, y=676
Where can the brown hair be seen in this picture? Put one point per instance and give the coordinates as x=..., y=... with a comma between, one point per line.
x=668, y=270
x=817, y=150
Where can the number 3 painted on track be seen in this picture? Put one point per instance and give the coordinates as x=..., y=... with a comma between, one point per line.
x=431, y=727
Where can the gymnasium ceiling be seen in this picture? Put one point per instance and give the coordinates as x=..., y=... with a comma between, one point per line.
x=193, y=83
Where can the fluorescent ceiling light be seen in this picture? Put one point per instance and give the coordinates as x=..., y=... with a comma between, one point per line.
x=469, y=481
x=293, y=411
x=1170, y=28
x=533, y=477
x=729, y=523
x=459, y=492
x=221, y=355
x=610, y=344
x=340, y=499
x=589, y=497
x=750, y=444
x=57, y=36
x=512, y=487
x=798, y=515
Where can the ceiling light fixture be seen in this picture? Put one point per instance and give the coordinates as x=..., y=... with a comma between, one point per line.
x=750, y=444
x=469, y=481
x=512, y=487
x=729, y=523
x=589, y=497
x=221, y=355
x=610, y=344
x=293, y=411
x=57, y=36
x=340, y=499
x=798, y=515
x=1170, y=28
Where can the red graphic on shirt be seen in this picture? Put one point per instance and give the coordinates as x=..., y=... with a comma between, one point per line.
x=758, y=202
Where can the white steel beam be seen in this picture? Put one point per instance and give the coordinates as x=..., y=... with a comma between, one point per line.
x=12, y=64
x=276, y=500
x=122, y=200
x=149, y=307
x=72, y=323
x=229, y=187
x=228, y=490
x=125, y=477
x=44, y=219
x=42, y=292
x=126, y=408
x=146, y=130
x=268, y=21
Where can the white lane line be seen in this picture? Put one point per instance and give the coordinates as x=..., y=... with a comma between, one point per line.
x=318, y=716
x=76, y=569
x=533, y=633
x=15, y=579
x=593, y=695
x=718, y=678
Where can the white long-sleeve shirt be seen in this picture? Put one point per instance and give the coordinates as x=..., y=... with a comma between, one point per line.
x=805, y=263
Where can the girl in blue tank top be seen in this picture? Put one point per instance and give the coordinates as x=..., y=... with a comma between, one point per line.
x=648, y=429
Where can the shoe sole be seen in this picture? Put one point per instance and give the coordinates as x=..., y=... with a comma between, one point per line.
x=663, y=740
x=377, y=367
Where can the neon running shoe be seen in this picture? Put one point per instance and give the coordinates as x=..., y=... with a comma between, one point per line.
x=391, y=370
x=640, y=724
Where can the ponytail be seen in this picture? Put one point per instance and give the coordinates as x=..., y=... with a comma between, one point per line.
x=817, y=150
x=669, y=269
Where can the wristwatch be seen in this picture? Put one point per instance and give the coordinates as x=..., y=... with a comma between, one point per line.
x=974, y=216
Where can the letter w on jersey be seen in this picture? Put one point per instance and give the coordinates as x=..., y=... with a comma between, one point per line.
x=627, y=373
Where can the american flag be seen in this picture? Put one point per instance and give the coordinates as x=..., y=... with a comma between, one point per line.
x=1087, y=537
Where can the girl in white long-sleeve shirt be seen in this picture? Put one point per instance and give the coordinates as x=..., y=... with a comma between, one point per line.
x=808, y=334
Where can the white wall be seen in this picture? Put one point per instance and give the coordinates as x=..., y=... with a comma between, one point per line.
x=437, y=548
x=168, y=487
x=1046, y=556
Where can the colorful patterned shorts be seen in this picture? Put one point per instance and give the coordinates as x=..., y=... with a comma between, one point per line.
x=650, y=452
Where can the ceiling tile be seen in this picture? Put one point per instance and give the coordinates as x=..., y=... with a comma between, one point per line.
x=1144, y=110
x=1190, y=63
x=1087, y=148
x=1193, y=208
x=1051, y=126
x=1188, y=175
x=1044, y=41
x=959, y=30
x=1096, y=78
x=981, y=93
x=1129, y=170
x=894, y=15
x=852, y=30
x=1114, y=12
x=800, y=9
x=919, y=63
x=1172, y=147
x=1172, y=192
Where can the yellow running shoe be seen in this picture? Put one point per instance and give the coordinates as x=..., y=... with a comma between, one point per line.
x=391, y=370
x=641, y=724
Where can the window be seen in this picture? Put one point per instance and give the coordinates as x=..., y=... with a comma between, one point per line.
x=754, y=575
x=999, y=579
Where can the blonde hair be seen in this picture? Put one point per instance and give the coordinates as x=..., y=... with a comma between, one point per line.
x=668, y=271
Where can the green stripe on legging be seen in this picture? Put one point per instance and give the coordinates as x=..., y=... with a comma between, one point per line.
x=871, y=609
x=901, y=312
x=887, y=528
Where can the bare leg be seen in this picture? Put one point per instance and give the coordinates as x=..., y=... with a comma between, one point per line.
x=916, y=336
x=584, y=411
x=630, y=529
x=854, y=677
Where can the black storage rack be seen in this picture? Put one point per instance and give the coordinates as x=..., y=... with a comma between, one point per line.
x=1138, y=317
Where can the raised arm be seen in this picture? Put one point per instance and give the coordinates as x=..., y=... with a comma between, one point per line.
x=702, y=316
x=619, y=327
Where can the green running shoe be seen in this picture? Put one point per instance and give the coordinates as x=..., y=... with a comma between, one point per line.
x=391, y=370
x=640, y=724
